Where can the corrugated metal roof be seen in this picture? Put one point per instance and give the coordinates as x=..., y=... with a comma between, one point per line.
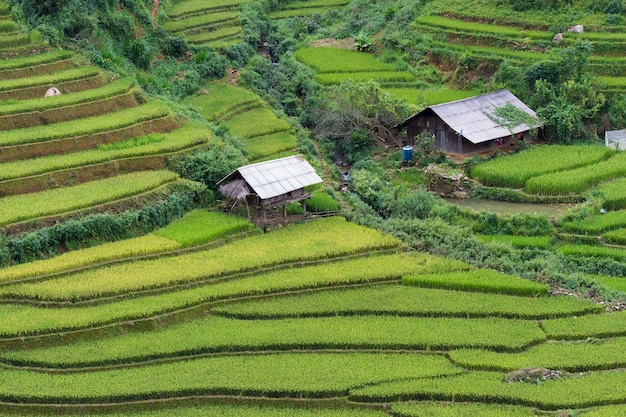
x=615, y=138
x=276, y=177
x=471, y=119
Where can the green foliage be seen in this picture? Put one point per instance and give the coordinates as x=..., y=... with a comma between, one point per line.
x=239, y=54
x=59, y=77
x=510, y=117
x=397, y=300
x=203, y=226
x=579, y=328
x=514, y=170
x=94, y=228
x=363, y=42
x=613, y=193
x=581, y=179
x=564, y=97
x=352, y=113
x=482, y=280
x=590, y=250
x=218, y=334
x=597, y=223
x=289, y=85
x=30, y=206
x=86, y=126
x=187, y=136
x=112, y=89
x=584, y=356
x=332, y=60
x=260, y=251
x=436, y=409
x=490, y=223
x=565, y=393
x=294, y=375
x=208, y=165
x=518, y=241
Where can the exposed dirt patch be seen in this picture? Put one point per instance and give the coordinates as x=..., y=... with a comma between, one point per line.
x=233, y=76
x=347, y=43
x=155, y=9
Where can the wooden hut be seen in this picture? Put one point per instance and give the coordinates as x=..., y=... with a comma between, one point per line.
x=469, y=126
x=267, y=187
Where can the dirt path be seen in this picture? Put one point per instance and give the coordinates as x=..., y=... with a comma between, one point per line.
x=155, y=10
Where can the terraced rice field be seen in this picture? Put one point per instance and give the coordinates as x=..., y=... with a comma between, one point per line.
x=516, y=37
x=99, y=144
x=306, y=8
x=334, y=65
x=248, y=116
x=215, y=23
x=333, y=311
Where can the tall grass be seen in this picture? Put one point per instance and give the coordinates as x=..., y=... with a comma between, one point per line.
x=333, y=60
x=513, y=171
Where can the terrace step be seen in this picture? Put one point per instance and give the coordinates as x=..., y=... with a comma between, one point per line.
x=188, y=23
x=77, y=143
x=66, y=113
x=44, y=57
x=236, y=110
x=215, y=35
x=80, y=175
x=23, y=51
x=12, y=41
x=41, y=69
x=210, y=27
x=85, y=173
x=20, y=221
x=135, y=202
x=65, y=87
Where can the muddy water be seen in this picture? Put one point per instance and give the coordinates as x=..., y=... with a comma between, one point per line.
x=504, y=207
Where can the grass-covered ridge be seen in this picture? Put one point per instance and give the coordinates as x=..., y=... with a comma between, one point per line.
x=31, y=206
x=222, y=335
x=90, y=125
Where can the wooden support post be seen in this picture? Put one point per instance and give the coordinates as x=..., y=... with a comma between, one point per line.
x=264, y=221
x=303, y=210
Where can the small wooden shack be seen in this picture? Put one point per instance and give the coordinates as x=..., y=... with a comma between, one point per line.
x=468, y=126
x=267, y=187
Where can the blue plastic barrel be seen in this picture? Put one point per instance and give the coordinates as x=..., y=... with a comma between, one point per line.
x=407, y=153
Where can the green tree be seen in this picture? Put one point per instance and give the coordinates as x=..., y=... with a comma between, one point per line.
x=565, y=97
x=357, y=112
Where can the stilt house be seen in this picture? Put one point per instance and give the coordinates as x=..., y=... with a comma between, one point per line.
x=267, y=187
x=469, y=126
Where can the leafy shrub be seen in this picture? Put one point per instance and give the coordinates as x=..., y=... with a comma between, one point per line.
x=208, y=165
x=239, y=54
x=139, y=52
x=175, y=46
